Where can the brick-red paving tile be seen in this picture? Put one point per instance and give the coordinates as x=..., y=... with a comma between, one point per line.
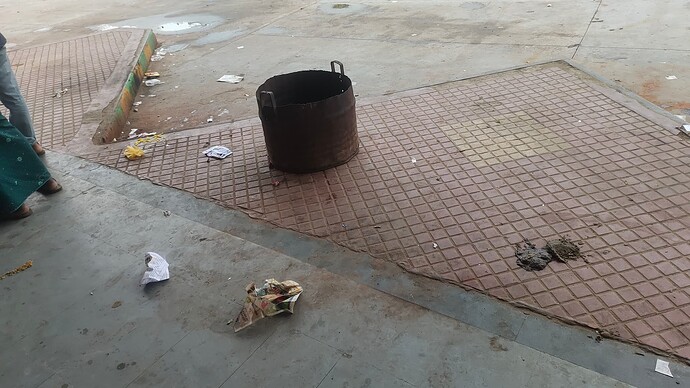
x=82, y=66
x=553, y=157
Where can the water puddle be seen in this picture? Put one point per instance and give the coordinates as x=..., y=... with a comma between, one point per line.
x=167, y=25
x=217, y=37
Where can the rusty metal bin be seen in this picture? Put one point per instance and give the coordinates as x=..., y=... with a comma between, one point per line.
x=309, y=119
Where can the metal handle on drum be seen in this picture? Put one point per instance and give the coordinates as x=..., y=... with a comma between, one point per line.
x=342, y=68
x=273, y=99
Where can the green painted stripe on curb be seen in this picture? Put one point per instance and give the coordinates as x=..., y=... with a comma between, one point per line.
x=114, y=121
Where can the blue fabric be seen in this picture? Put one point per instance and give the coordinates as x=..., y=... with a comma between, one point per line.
x=11, y=97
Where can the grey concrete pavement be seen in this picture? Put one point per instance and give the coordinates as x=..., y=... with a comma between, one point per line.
x=386, y=45
x=78, y=317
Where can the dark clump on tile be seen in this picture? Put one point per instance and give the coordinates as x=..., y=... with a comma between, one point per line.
x=531, y=258
x=563, y=249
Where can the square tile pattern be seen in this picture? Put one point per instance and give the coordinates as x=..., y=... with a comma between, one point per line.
x=79, y=66
x=533, y=153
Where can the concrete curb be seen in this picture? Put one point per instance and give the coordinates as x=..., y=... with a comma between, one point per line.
x=109, y=110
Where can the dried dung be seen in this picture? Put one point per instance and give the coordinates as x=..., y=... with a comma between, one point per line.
x=531, y=258
x=563, y=249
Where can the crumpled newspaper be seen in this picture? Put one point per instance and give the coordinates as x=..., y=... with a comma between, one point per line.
x=157, y=269
x=218, y=152
x=272, y=298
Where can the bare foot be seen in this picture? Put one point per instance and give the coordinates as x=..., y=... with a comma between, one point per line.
x=38, y=149
x=23, y=212
x=50, y=187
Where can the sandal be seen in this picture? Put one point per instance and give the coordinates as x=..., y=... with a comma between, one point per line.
x=50, y=187
x=23, y=212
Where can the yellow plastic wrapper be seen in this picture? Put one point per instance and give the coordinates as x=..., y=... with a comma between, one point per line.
x=133, y=152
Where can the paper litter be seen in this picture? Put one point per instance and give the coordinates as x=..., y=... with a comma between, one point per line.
x=271, y=299
x=231, y=78
x=157, y=269
x=662, y=367
x=152, y=82
x=218, y=152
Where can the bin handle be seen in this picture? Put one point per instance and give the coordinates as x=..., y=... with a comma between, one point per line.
x=342, y=68
x=273, y=99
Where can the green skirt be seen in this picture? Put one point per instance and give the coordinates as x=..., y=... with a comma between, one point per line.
x=21, y=171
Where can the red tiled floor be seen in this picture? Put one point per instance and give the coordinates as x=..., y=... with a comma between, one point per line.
x=82, y=66
x=533, y=153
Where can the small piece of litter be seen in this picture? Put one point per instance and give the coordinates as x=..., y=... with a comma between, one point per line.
x=218, y=152
x=435, y=246
x=133, y=132
x=414, y=160
x=663, y=368
x=670, y=77
x=276, y=183
x=60, y=93
x=240, y=47
x=548, y=5
x=166, y=213
x=231, y=78
x=685, y=128
x=157, y=269
x=151, y=74
x=17, y=270
x=116, y=304
x=271, y=299
x=133, y=152
x=209, y=120
x=137, y=103
x=152, y=82
x=142, y=135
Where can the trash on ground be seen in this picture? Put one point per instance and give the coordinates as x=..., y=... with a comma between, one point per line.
x=414, y=161
x=166, y=213
x=137, y=103
x=276, y=183
x=133, y=152
x=531, y=258
x=240, y=47
x=670, y=77
x=231, y=78
x=17, y=270
x=152, y=74
x=435, y=246
x=157, y=269
x=158, y=55
x=209, y=120
x=152, y=82
x=224, y=112
x=218, y=152
x=563, y=249
x=60, y=93
x=140, y=135
x=685, y=128
x=272, y=298
x=148, y=138
x=663, y=368
x=133, y=132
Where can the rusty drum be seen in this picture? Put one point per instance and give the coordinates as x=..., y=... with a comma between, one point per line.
x=308, y=119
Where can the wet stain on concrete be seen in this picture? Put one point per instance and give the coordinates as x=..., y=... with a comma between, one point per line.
x=496, y=346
